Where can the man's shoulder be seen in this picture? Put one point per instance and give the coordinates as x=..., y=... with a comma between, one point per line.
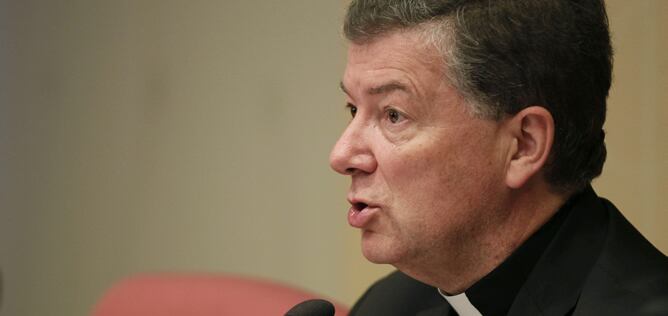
x=399, y=294
x=627, y=253
x=597, y=264
x=630, y=273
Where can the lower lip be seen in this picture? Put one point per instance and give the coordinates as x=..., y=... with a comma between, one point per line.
x=360, y=219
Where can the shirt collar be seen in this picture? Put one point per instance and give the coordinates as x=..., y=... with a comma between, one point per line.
x=461, y=304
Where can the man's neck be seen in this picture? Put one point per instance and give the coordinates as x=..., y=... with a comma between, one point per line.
x=528, y=211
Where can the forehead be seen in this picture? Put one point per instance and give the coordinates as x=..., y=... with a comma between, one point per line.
x=401, y=58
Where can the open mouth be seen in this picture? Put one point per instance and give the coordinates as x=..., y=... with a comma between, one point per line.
x=361, y=214
x=358, y=207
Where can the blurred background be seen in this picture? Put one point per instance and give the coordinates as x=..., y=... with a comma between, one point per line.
x=192, y=136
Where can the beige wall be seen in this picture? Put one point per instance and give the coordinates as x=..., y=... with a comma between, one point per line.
x=635, y=177
x=193, y=136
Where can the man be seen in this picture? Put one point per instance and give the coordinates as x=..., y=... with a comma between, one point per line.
x=476, y=130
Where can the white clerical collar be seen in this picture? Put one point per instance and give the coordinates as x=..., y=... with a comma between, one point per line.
x=461, y=304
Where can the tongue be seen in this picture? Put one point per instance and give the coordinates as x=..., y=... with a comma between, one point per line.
x=359, y=206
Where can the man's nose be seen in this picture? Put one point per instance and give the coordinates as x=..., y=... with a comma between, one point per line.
x=352, y=153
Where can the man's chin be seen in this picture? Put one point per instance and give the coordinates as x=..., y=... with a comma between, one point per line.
x=377, y=259
x=380, y=251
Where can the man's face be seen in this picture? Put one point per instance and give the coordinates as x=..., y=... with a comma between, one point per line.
x=426, y=174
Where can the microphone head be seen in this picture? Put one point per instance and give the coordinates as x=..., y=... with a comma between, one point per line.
x=315, y=307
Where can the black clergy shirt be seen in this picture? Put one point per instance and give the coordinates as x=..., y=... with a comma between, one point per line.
x=494, y=294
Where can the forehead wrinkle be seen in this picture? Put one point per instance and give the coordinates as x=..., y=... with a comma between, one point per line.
x=404, y=74
x=400, y=69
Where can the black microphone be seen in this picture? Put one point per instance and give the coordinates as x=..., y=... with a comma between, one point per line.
x=316, y=307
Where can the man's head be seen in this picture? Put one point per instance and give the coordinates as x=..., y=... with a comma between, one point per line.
x=462, y=110
x=506, y=55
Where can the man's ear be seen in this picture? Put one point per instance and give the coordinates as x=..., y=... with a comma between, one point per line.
x=532, y=130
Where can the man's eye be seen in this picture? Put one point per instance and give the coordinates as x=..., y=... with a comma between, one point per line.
x=394, y=116
x=353, y=110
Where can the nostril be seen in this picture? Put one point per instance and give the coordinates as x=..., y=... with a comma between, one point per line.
x=350, y=170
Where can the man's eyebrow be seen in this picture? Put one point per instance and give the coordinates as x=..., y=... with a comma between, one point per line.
x=387, y=88
x=343, y=88
x=381, y=89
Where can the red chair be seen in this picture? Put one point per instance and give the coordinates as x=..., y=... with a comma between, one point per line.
x=200, y=295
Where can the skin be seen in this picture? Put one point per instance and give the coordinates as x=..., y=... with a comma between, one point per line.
x=450, y=194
